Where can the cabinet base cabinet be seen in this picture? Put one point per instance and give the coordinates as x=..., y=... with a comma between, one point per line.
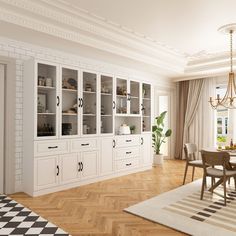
x=62, y=171
x=46, y=172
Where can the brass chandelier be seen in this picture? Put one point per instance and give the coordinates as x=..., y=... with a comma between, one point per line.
x=229, y=99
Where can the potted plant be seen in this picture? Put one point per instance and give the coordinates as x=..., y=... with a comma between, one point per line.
x=159, y=137
x=132, y=129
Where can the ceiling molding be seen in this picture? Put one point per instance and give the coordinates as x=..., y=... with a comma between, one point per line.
x=59, y=19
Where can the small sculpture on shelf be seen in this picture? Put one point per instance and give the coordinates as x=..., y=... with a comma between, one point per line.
x=102, y=110
x=66, y=128
x=132, y=129
x=69, y=83
x=88, y=87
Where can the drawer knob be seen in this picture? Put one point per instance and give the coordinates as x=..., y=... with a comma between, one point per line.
x=128, y=152
x=52, y=147
x=128, y=140
x=84, y=144
x=128, y=164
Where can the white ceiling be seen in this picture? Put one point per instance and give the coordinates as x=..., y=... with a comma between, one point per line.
x=189, y=26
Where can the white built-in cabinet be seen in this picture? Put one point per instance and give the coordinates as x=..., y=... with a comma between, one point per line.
x=71, y=126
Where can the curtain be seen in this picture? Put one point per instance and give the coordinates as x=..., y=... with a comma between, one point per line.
x=182, y=96
x=199, y=118
x=201, y=130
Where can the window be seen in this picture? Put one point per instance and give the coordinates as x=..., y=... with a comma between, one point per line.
x=223, y=117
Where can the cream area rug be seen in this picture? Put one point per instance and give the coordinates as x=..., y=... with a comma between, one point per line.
x=182, y=209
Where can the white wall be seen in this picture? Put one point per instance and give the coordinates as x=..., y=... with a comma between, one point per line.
x=23, y=51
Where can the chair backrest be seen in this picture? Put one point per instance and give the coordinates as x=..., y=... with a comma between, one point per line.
x=215, y=159
x=190, y=149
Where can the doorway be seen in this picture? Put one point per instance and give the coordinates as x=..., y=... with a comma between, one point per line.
x=2, y=128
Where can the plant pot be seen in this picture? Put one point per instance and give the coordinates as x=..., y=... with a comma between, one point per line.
x=158, y=159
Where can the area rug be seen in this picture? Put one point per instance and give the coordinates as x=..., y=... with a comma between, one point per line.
x=15, y=219
x=182, y=209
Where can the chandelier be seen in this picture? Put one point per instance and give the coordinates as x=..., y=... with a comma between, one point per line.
x=229, y=99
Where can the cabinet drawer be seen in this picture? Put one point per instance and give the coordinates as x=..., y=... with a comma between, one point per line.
x=126, y=164
x=127, y=141
x=83, y=144
x=124, y=153
x=53, y=147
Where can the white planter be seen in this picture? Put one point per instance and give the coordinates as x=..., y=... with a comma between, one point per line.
x=158, y=159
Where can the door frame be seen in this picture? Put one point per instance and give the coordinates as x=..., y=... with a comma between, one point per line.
x=10, y=111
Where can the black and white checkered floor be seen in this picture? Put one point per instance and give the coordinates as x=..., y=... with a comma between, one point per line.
x=17, y=220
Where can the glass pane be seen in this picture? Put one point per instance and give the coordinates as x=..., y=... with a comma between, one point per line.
x=69, y=102
x=134, y=98
x=106, y=104
x=121, y=96
x=146, y=107
x=89, y=103
x=46, y=100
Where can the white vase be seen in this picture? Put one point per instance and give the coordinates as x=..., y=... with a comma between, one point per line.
x=158, y=159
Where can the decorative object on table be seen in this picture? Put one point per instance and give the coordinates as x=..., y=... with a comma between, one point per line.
x=66, y=128
x=41, y=81
x=86, y=129
x=144, y=126
x=124, y=129
x=185, y=213
x=45, y=130
x=42, y=100
x=159, y=137
x=49, y=82
x=228, y=101
x=102, y=110
x=69, y=83
x=132, y=129
x=88, y=87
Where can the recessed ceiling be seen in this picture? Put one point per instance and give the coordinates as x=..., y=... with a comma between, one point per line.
x=189, y=26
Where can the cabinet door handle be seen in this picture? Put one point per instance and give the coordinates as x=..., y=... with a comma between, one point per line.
x=128, y=164
x=79, y=164
x=128, y=152
x=113, y=105
x=84, y=144
x=58, y=170
x=113, y=143
x=142, y=107
x=142, y=141
x=58, y=100
x=82, y=102
x=82, y=166
x=79, y=102
x=128, y=140
x=52, y=147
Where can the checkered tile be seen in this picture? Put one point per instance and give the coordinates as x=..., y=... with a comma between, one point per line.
x=17, y=220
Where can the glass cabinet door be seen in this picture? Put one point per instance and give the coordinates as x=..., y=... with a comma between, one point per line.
x=69, y=103
x=121, y=96
x=134, y=98
x=146, y=107
x=106, y=104
x=89, y=103
x=47, y=100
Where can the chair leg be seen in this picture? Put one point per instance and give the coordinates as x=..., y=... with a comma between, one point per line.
x=225, y=189
x=185, y=172
x=193, y=173
x=235, y=182
x=203, y=185
x=212, y=183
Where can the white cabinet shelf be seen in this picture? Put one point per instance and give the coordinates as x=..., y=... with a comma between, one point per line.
x=71, y=126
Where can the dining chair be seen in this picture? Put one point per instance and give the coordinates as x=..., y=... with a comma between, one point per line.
x=211, y=159
x=190, y=150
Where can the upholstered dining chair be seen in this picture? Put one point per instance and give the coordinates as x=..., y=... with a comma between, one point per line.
x=211, y=159
x=190, y=150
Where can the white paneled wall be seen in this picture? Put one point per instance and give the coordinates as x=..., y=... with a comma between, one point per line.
x=23, y=51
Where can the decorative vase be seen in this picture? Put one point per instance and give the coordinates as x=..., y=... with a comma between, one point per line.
x=158, y=159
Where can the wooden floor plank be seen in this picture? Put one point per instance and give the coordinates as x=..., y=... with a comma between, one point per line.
x=97, y=209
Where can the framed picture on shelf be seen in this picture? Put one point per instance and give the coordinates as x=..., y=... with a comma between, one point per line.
x=42, y=102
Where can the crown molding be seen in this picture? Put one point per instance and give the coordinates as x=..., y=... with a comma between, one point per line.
x=59, y=19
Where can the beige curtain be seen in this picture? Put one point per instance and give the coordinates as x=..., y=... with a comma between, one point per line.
x=199, y=125
x=182, y=96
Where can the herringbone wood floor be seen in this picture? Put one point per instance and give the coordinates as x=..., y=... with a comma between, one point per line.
x=97, y=209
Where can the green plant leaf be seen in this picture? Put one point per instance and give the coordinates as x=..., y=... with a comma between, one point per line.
x=168, y=133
